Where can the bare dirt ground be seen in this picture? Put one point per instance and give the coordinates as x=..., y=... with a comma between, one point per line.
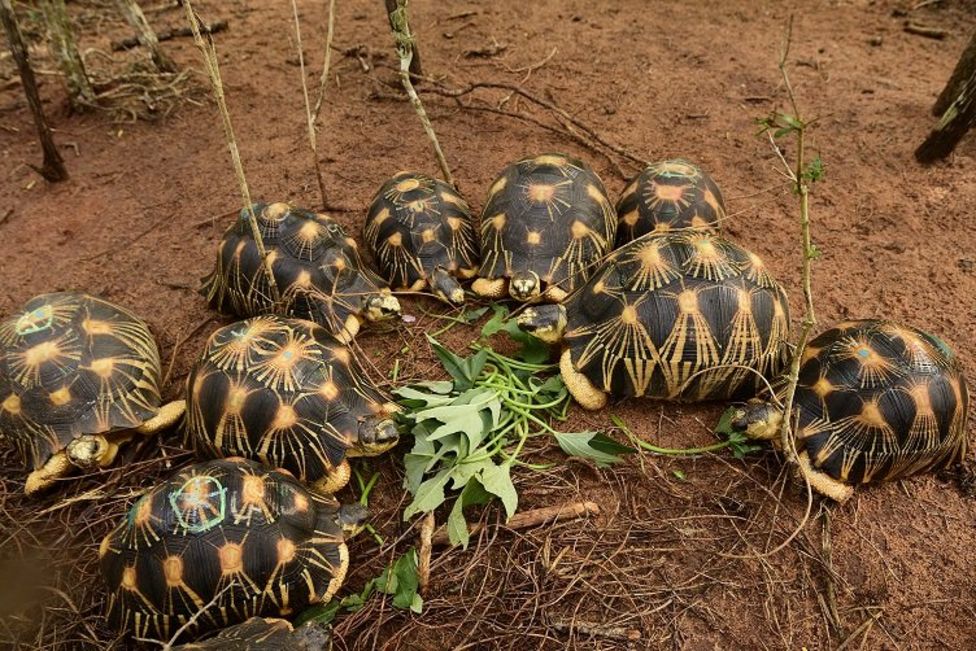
x=670, y=563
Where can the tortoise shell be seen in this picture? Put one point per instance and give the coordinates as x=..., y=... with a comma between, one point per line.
x=73, y=364
x=879, y=401
x=683, y=316
x=668, y=195
x=317, y=269
x=417, y=224
x=284, y=392
x=250, y=539
x=549, y=215
x=264, y=634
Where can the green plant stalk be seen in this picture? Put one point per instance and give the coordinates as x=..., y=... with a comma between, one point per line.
x=404, y=48
x=809, y=316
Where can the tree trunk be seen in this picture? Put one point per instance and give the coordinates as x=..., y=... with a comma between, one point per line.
x=53, y=168
x=64, y=49
x=147, y=37
x=416, y=71
x=963, y=71
x=954, y=124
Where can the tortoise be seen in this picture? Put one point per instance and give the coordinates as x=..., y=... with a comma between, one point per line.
x=668, y=195
x=287, y=393
x=875, y=401
x=421, y=235
x=224, y=540
x=317, y=269
x=683, y=315
x=546, y=222
x=264, y=634
x=79, y=377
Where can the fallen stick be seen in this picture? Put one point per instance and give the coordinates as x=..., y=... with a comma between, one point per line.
x=528, y=519
x=924, y=30
x=423, y=564
x=170, y=34
x=587, y=628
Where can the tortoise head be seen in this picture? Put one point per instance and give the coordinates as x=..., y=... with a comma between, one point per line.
x=544, y=322
x=377, y=434
x=382, y=306
x=88, y=451
x=446, y=287
x=352, y=518
x=758, y=419
x=524, y=285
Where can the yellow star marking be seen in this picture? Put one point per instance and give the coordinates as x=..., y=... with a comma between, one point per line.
x=60, y=397
x=549, y=159
x=329, y=390
x=173, y=571
x=533, y=238
x=579, y=230
x=11, y=404
x=286, y=551
x=103, y=367
x=252, y=490
x=231, y=557
x=541, y=193
x=407, y=185
x=95, y=327
x=129, y=578
x=285, y=418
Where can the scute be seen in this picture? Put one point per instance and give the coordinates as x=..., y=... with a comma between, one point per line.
x=237, y=547
x=317, y=268
x=257, y=393
x=417, y=223
x=892, y=410
x=699, y=328
x=49, y=392
x=668, y=195
x=555, y=220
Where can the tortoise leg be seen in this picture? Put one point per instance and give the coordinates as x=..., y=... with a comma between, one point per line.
x=44, y=477
x=579, y=385
x=555, y=294
x=490, y=287
x=822, y=482
x=349, y=329
x=335, y=480
x=167, y=416
x=338, y=574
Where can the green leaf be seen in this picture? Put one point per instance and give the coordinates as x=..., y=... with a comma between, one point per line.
x=457, y=525
x=497, y=480
x=679, y=474
x=724, y=425
x=414, y=398
x=598, y=447
x=789, y=120
x=405, y=593
x=417, y=603
x=455, y=366
x=814, y=171
x=429, y=495
x=321, y=613
x=497, y=320
x=472, y=314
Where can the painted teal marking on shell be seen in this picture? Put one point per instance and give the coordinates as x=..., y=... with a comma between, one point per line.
x=36, y=320
x=131, y=516
x=863, y=353
x=941, y=345
x=202, y=509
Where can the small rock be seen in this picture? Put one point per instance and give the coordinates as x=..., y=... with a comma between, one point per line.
x=876, y=41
